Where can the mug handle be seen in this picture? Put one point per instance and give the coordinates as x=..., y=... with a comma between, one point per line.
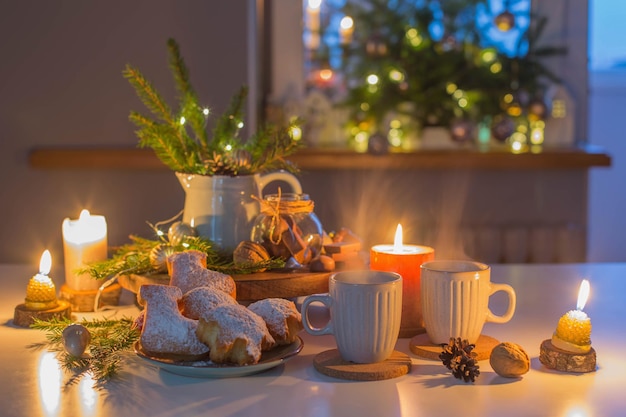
x=508, y=315
x=327, y=301
x=285, y=176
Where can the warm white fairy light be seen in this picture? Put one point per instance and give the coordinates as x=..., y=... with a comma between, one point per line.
x=182, y=120
x=346, y=23
x=372, y=79
x=395, y=75
x=295, y=132
x=240, y=125
x=205, y=111
x=228, y=147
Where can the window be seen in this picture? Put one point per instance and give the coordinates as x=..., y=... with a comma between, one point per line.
x=326, y=74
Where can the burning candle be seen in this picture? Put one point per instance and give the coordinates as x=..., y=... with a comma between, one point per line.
x=313, y=23
x=406, y=261
x=41, y=292
x=346, y=29
x=573, y=331
x=84, y=241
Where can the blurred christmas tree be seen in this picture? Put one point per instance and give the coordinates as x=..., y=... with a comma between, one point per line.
x=435, y=63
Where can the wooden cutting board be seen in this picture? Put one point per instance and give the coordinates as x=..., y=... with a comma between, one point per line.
x=252, y=287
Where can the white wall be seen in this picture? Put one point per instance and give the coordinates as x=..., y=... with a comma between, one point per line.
x=61, y=85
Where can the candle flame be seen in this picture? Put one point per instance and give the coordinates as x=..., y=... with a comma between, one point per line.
x=397, y=241
x=583, y=294
x=346, y=23
x=45, y=263
x=314, y=4
x=84, y=215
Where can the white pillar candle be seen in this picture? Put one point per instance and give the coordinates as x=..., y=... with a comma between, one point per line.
x=84, y=241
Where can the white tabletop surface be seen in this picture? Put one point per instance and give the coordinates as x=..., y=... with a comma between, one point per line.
x=32, y=384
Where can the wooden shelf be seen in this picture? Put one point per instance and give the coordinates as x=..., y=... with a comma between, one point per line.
x=340, y=159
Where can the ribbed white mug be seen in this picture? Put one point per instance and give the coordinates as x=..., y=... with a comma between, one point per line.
x=365, y=312
x=455, y=299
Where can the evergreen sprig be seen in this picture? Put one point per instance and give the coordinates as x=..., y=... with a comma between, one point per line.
x=179, y=137
x=134, y=259
x=111, y=341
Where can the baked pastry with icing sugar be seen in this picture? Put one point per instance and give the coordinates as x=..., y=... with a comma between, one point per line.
x=283, y=319
x=234, y=334
x=199, y=301
x=188, y=270
x=165, y=331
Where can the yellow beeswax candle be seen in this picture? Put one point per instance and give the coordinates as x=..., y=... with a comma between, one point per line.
x=41, y=292
x=573, y=331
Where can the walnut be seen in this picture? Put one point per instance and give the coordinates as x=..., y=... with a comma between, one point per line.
x=248, y=252
x=509, y=360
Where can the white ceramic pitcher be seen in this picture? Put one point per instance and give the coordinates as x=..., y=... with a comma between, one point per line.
x=222, y=208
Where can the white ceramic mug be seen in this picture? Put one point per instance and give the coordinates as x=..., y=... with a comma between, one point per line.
x=455, y=299
x=365, y=312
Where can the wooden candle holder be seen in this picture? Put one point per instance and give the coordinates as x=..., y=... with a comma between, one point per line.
x=84, y=300
x=24, y=316
x=561, y=360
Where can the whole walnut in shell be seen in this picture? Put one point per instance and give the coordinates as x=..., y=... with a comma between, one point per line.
x=248, y=252
x=509, y=360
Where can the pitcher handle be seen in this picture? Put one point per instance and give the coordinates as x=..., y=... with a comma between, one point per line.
x=285, y=176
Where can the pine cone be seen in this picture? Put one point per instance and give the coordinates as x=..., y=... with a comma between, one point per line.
x=457, y=356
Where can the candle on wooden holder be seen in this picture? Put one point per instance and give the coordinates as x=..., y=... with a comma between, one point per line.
x=570, y=349
x=84, y=241
x=41, y=299
x=406, y=261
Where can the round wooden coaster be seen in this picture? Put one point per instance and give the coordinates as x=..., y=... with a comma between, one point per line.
x=24, y=317
x=422, y=346
x=330, y=363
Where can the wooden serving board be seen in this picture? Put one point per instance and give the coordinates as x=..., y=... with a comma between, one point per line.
x=252, y=287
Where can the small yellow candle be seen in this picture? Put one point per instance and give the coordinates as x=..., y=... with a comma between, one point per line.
x=573, y=332
x=41, y=292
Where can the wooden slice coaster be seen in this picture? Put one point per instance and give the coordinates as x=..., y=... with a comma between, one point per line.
x=423, y=347
x=24, y=317
x=330, y=363
x=555, y=358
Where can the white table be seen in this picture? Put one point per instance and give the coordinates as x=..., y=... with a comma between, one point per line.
x=32, y=384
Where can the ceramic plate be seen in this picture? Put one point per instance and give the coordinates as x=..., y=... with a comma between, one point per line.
x=208, y=369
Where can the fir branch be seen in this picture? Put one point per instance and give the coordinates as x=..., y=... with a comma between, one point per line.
x=147, y=94
x=111, y=341
x=184, y=146
x=228, y=125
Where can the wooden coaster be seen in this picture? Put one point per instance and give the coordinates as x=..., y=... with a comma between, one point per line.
x=422, y=346
x=555, y=358
x=330, y=363
x=24, y=317
x=84, y=300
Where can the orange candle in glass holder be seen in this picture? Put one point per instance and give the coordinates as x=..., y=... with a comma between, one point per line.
x=406, y=261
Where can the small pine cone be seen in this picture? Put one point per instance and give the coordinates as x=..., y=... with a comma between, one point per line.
x=457, y=356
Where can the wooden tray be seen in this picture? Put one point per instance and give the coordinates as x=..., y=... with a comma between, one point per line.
x=251, y=287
